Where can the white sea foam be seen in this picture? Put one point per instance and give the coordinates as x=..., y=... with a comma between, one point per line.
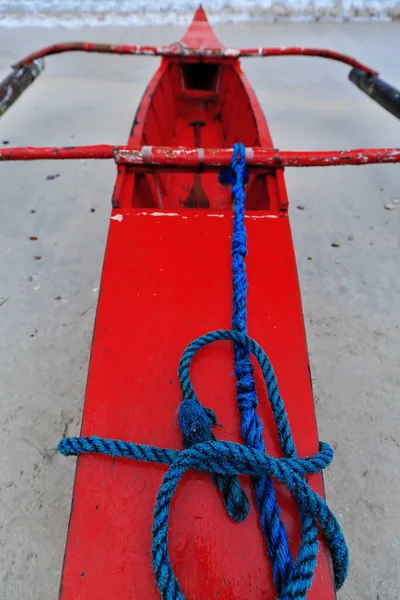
x=75, y=13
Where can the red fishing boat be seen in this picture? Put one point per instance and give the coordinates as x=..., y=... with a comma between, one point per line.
x=166, y=280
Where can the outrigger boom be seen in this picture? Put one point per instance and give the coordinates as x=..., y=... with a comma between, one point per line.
x=181, y=51
x=28, y=69
x=145, y=158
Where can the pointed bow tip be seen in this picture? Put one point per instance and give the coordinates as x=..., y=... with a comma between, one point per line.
x=199, y=33
x=200, y=14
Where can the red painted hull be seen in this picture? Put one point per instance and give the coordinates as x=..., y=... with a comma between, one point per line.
x=166, y=280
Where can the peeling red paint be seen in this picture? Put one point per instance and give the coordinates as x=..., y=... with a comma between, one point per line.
x=181, y=50
x=208, y=159
x=101, y=151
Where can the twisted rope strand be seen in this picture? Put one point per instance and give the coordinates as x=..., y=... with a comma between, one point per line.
x=289, y=580
x=251, y=426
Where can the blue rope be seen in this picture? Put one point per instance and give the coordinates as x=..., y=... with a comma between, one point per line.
x=224, y=460
x=252, y=430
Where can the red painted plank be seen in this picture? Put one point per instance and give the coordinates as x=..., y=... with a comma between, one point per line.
x=166, y=280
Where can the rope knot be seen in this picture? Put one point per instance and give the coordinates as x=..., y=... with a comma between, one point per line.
x=228, y=176
x=246, y=393
x=196, y=422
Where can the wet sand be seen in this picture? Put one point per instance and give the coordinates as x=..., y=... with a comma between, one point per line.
x=350, y=293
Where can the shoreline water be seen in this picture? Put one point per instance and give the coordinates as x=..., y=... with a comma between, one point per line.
x=126, y=13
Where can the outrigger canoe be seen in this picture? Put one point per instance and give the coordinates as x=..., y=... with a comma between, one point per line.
x=166, y=280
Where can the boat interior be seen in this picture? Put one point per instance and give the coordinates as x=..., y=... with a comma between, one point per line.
x=197, y=105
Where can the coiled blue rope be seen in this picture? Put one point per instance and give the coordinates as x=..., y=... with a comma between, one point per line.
x=225, y=461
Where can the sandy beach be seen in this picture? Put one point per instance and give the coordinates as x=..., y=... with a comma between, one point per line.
x=350, y=293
